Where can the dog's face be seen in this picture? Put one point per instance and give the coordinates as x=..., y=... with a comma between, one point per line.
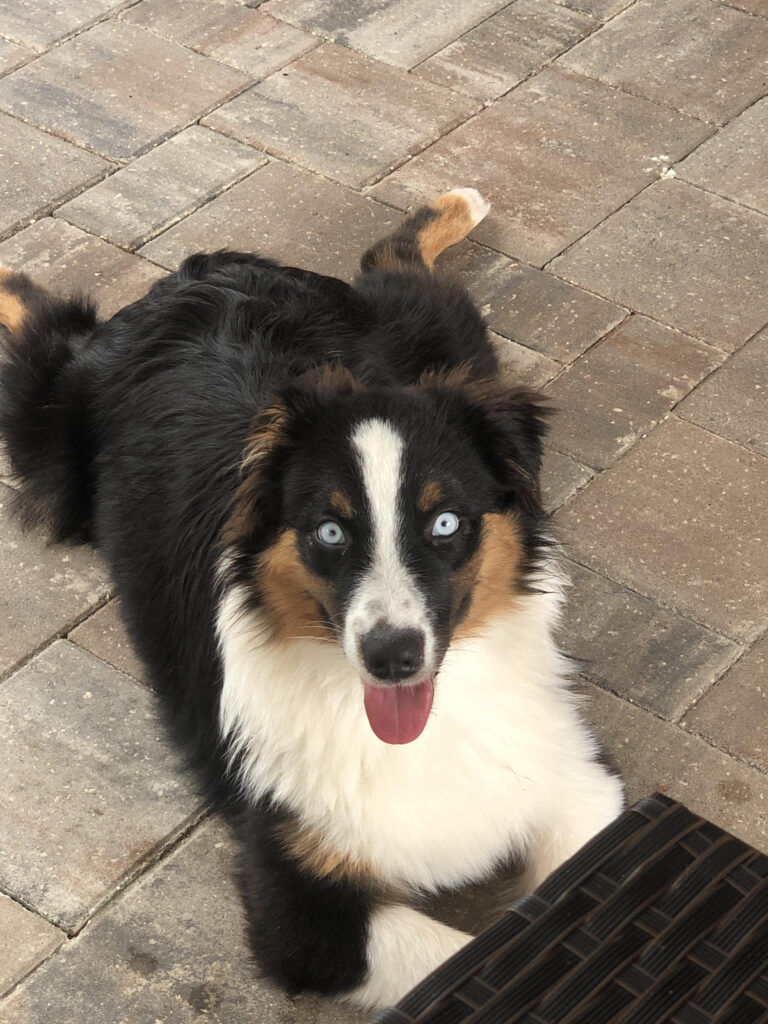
x=391, y=523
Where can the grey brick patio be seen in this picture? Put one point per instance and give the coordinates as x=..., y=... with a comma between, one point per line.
x=623, y=269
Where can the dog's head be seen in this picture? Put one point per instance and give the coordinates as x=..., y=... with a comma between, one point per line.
x=392, y=522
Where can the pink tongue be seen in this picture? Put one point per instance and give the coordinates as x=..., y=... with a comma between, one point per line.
x=398, y=714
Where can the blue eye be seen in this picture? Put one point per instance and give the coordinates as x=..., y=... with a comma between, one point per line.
x=446, y=524
x=330, y=534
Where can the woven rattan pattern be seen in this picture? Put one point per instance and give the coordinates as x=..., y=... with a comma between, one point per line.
x=661, y=917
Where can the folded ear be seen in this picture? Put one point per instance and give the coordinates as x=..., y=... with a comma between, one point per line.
x=507, y=425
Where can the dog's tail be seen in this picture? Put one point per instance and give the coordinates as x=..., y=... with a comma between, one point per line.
x=44, y=404
x=427, y=231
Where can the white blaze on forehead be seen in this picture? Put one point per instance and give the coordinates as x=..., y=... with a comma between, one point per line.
x=387, y=591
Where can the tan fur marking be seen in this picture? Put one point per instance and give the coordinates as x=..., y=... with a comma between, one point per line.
x=292, y=594
x=431, y=495
x=491, y=576
x=340, y=503
x=314, y=854
x=453, y=224
x=12, y=309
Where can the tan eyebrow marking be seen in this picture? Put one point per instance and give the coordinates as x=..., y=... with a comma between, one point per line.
x=340, y=503
x=431, y=495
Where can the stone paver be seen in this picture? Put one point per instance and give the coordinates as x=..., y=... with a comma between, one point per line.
x=161, y=187
x=66, y=259
x=91, y=785
x=104, y=634
x=505, y=49
x=172, y=949
x=733, y=162
x=400, y=32
x=734, y=714
x=381, y=114
x=670, y=660
x=286, y=213
x=623, y=386
x=734, y=401
x=708, y=60
x=43, y=590
x=554, y=157
x=12, y=55
x=561, y=478
x=86, y=89
x=38, y=23
x=681, y=519
x=521, y=365
x=666, y=254
x=25, y=940
x=549, y=315
x=601, y=9
x=654, y=755
x=37, y=170
x=236, y=35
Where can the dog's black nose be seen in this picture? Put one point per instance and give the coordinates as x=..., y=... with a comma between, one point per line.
x=392, y=653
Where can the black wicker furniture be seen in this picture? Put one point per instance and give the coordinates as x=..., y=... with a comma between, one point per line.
x=661, y=917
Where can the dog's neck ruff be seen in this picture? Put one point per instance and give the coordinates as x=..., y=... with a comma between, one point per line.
x=439, y=811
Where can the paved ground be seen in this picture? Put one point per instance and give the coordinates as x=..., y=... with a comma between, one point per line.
x=624, y=269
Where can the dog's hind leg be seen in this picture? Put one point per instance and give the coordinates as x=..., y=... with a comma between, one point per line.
x=427, y=231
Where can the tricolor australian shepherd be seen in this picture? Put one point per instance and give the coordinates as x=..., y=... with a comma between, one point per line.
x=320, y=507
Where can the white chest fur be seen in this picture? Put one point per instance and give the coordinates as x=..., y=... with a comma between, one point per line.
x=442, y=810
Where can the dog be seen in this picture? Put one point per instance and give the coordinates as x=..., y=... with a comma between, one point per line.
x=320, y=506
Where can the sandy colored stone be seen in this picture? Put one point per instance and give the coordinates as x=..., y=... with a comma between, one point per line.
x=66, y=259
x=281, y=211
x=91, y=784
x=232, y=33
x=561, y=478
x=682, y=519
x=38, y=23
x=104, y=634
x=25, y=940
x=161, y=187
x=708, y=60
x=380, y=115
x=622, y=387
x=554, y=157
x=686, y=257
x=12, y=55
x=117, y=88
x=522, y=366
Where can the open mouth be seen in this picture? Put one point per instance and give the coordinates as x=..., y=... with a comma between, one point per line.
x=398, y=713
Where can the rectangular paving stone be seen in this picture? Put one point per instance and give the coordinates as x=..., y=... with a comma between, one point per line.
x=380, y=115
x=681, y=519
x=622, y=387
x=117, y=88
x=734, y=713
x=25, y=940
x=708, y=60
x=601, y=9
x=170, y=949
x=91, y=784
x=561, y=478
x=655, y=755
x=12, y=55
x=38, y=170
x=522, y=366
x=104, y=634
x=686, y=257
x=554, y=157
x=161, y=187
x=502, y=51
x=38, y=23
x=637, y=649
x=43, y=590
x=284, y=212
x=734, y=401
x=549, y=315
x=244, y=38
x=400, y=32
x=66, y=259
x=733, y=162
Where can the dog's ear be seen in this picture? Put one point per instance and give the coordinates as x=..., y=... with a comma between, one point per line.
x=297, y=408
x=507, y=425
